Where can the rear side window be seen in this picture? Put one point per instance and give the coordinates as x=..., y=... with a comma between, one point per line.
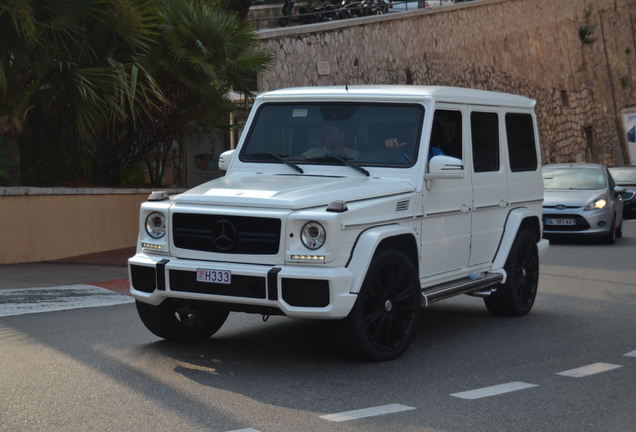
x=484, y=131
x=521, y=144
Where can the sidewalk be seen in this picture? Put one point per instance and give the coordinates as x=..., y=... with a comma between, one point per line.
x=104, y=269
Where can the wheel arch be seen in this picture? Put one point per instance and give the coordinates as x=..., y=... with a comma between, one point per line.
x=376, y=240
x=518, y=219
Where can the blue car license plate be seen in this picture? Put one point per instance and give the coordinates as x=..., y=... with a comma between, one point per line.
x=214, y=276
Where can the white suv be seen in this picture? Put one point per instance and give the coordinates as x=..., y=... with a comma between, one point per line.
x=331, y=209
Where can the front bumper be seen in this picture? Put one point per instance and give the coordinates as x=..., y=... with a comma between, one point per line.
x=587, y=222
x=297, y=291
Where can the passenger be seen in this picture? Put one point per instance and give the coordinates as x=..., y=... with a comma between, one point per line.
x=407, y=148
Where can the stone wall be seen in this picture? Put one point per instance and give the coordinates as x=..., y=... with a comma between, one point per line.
x=527, y=47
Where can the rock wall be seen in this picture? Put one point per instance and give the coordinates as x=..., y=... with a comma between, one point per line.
x=577, y=58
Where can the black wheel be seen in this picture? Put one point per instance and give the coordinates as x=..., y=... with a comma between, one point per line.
x=283, y=22
x=179, y=322
x=610, y=237
x=516, y=296
x=386, y=314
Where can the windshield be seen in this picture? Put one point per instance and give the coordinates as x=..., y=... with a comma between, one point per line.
x=573, y=178
x=369, y=134
x=624, y=175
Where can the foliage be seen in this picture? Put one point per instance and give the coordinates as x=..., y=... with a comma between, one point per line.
x=116, y=79
x=202, y=53
x=5, y=160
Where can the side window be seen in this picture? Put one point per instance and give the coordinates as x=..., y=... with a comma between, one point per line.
x=446, y=134
x=484, y=129
x=521, y=145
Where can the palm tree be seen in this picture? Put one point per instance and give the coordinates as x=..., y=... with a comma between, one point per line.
x=203, y=53
x=83, y=55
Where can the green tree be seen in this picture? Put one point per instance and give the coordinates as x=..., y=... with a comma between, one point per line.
x=203, y=52
x=76, y=62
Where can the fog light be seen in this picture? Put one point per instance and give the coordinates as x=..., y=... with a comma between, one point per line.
x=602, y=223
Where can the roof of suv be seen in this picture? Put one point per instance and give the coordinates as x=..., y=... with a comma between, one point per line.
x=401, y=92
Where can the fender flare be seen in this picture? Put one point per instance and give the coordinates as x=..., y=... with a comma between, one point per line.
x=515, y=219
x=365, y=247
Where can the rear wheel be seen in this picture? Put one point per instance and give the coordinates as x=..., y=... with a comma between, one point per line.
x=177, y=321
x=386, y=314
x=516, y=296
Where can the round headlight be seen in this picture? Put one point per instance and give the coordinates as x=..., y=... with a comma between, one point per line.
x=156, y=225
x=313, y=235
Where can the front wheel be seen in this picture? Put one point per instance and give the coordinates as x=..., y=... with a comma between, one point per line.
x=516, y=296
x=176, y=321
x=610, y=237
x=386, y=314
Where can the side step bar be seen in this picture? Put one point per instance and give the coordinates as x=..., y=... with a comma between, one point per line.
x=477, y=287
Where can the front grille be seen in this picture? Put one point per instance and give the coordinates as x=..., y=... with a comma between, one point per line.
x=580, y=224
x=241, y=286
x=306, y=292
x=226, y=234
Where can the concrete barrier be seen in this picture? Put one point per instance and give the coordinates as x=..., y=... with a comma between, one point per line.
x=42, y=224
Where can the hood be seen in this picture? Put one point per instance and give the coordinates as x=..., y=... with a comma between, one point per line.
x=290, y=191
x=571, y=198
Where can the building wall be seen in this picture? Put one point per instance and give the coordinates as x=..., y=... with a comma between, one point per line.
x=41, y=224
x=527, y=47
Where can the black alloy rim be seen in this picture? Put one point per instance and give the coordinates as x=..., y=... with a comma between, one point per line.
x=527, y=274
x=390, y=306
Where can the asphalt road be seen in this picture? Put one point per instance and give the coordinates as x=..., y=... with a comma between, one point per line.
x=572, y=361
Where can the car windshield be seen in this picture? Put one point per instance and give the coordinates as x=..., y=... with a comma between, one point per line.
x=352, y=134
x=573, y=178
x=624, y=175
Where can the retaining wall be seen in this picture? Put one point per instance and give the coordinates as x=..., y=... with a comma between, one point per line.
x=41, y=224
x=527, y=47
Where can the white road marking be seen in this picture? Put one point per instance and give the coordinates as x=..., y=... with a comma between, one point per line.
x=589, y=370
x=631, y=354
x=245, y=430
x=366, y=412
x=38, y=300
x=494, y=390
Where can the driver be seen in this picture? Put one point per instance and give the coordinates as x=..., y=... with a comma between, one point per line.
x=333, y=139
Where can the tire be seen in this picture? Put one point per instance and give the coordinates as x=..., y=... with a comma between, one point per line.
x=386, y=315
x=179, y=322
x=610, y=237
x=516, y=296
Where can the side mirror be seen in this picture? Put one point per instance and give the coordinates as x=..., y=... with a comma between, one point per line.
x=226, y=159
x=619, y=190
x=445, y=167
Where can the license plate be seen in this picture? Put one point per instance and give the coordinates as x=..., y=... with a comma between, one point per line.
x=560, y=222
x=214, y=276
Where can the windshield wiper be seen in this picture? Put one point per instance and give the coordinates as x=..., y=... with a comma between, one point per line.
x=277, y=157
x=336, y=156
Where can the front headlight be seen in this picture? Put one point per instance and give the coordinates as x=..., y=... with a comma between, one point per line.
x=599, y=204
x=156, y=225
x=313, y=235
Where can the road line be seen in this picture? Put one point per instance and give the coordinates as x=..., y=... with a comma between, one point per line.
x=245, y=430
x=589, y=370
x=631, y=354
x=366, y=412
x=38, y=300
x=494, y=390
